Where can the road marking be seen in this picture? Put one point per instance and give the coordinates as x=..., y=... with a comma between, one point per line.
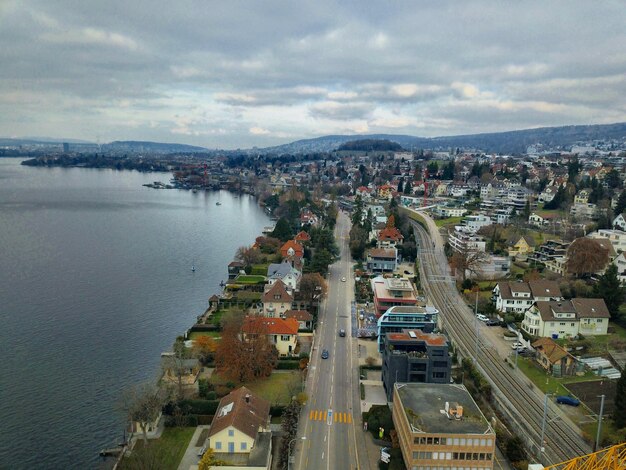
x=329, y=421
x=322, y=455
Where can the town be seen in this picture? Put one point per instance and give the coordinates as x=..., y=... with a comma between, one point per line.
x=415, y=308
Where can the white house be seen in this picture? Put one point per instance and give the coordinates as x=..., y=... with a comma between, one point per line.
x=620, y=222
x=286, y=273
x=517, y=297
x=567, y=318
x=476, y=222
x=462, y=239
x=616, y=237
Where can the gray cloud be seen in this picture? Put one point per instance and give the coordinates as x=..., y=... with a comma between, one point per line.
x=237, y=74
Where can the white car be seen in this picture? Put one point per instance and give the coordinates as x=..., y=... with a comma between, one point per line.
x=343, y=279
x=517, y=345
x=482, y=317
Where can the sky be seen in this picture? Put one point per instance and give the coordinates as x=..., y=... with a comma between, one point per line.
x=237, y=74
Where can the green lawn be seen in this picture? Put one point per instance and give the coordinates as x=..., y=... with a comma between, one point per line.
x=546, y=383
x=448, y=221
x=249, y=279
x=168, y=450
x=275, y=388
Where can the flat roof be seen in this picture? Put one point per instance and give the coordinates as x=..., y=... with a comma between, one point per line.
x=427, y=402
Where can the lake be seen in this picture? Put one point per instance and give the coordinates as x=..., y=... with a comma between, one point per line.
x=95, y=282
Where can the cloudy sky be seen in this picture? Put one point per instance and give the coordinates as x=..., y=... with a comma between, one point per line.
x=232, y=74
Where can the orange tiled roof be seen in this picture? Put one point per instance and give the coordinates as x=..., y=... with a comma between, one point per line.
x=270, y=326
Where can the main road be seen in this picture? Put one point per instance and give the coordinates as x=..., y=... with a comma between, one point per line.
x=516, y=395
x=331, y=421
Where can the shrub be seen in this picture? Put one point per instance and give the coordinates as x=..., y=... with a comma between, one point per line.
x=199, y=407
x=277, y=410
x=287, y=364
x=203, y=388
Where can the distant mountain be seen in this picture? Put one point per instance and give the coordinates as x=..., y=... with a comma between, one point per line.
x=133, y=146
x=371, y=145
x=497, y=142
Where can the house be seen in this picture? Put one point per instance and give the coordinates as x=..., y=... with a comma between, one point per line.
x=302, y=237
x=620, y=222
x=476, y=222
x=584, y=211
x=414, y=356
x=517, y=297
x=389, y=237
x=440, y=426
x=286, y=273
x=446, y=212
x=303, y=317
x=276, y=299
x=620, y=262
x=390, y=292
x=241, y=425
x=616, y=237
x=281, y=332
x=291, y=248
x=553, y=358
x=386, y=191
x=541, y=220
x=462, y=239
x=382, y=260
x=567, y=318
x=582, y=197
x=399, y=318
x=520, y=246
x=234, y=269
x=307, y=218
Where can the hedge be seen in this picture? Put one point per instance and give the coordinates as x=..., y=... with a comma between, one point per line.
x=277, y=410
x=288, y=364
x=199, y=407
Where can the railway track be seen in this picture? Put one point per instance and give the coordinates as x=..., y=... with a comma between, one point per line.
x=562, y=438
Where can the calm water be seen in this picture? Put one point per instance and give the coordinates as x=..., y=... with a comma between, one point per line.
x=96, y=281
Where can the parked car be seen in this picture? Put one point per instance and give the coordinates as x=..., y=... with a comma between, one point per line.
x=325, y=354
x=343, y=279
x=565, y=400
x=492, y=322
x=517, y=345
x=482, y=317
x=342, y=332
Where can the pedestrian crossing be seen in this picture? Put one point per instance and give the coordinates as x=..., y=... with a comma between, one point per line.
x=330, y=416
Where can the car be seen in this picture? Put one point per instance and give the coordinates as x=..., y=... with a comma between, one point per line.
x=517, y=345
x=407, y=272
x=482, y=317
x=492, y=322
x=325, y=354
x=343, y=279
x=342, y=332
x=567, y=400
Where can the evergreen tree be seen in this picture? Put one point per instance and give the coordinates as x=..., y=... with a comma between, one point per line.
x=448, y=171
x=610, y=289
x=621, y=203
x=401, y=185
x=619, y=412
x=282, y=230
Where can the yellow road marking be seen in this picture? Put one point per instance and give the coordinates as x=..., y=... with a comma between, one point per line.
x=349, y=418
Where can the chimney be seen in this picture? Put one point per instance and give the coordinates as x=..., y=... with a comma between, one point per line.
x=247, y=398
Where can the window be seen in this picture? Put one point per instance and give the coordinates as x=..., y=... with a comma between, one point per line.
x=231, y=432
x=244, y=446
x=218, y=445
x=285, y=337
x=440, y=364
x=439, y=375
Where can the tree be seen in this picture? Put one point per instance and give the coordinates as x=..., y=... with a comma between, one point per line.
x=247, y=255
x=204, y=348
x=209, y=461
x=401, y=185
x=359, y=238
x=610, y=289
x=586, y=256
x=282, y=230
x=312, y=288
x=620, y=207
x=245, y=357
x=619, y=412
x=448, y=171
x=175, y=365
x=142, y=404
x=468, y=261
x=322, y=258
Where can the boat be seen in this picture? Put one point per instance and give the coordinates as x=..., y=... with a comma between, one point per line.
x=193, y=269
x=218, y=203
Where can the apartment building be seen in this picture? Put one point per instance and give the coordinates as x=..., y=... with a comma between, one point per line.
x=397, y=319
x=440, y=427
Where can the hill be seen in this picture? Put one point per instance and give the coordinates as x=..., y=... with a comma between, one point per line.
x=496, y=142
x=134, y=146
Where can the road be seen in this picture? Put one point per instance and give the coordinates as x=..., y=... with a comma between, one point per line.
x=523, y=401
x=330, y=421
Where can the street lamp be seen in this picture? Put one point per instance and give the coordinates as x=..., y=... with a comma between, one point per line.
x=303, y=438
x=543, y=422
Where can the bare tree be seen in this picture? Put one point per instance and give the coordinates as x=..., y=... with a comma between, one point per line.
x=468, y=261
x=586, y=256
x=247, y=255
x=245, y=357
x=142, y=404
x=313, y=288
x=176, y=364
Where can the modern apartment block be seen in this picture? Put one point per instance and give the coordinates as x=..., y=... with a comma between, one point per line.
x=389, y=292
x=397, y=319
x=414, y=356
x=441, y=427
